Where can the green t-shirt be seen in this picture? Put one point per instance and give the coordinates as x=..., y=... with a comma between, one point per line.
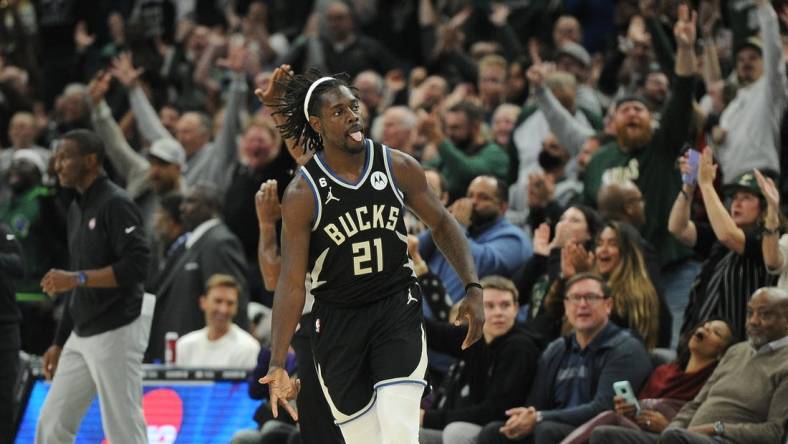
x=460, y=169
x=653, y=169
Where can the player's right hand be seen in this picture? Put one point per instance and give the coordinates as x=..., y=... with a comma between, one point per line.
x=281, y=388
x=51, y=358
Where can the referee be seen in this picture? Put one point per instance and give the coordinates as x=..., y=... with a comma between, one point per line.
x=104, y=331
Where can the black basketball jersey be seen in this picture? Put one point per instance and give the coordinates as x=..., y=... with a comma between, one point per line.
x=358, y=249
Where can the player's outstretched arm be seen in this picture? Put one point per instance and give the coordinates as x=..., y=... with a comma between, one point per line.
x=447, y=235
x=297, y=209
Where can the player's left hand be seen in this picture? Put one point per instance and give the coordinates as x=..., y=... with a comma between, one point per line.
x=58, y=281
x=471, y=311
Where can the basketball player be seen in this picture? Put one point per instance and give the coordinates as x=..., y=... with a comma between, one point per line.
x=343, y=224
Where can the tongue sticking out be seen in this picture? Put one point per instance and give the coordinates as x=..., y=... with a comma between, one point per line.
x=357, y=136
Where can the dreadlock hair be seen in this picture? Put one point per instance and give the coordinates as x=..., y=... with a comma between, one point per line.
x=291, y=106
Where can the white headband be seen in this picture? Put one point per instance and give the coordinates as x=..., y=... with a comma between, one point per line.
x=309, y=94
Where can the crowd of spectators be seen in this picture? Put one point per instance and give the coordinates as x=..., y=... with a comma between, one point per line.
x=616, y=166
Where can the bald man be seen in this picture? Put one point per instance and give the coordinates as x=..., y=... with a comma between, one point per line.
x=622, y=202
x=746, y=398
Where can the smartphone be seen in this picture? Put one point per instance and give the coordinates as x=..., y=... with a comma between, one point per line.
x=693, y=158
x=624, y=389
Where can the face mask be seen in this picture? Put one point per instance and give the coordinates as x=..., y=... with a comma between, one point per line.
x=549, y=162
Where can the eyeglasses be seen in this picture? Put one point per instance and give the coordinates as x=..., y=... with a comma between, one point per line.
x=589, y=298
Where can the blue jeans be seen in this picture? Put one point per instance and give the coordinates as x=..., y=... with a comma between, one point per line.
x=677, y=282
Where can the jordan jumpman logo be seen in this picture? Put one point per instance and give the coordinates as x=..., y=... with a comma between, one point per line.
x=330, y=197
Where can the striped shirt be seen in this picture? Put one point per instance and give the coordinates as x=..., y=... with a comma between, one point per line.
x=726, y=281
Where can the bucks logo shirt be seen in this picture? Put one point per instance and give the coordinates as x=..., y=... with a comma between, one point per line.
x=358, y=248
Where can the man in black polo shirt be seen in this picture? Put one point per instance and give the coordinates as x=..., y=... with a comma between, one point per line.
x=104, y=331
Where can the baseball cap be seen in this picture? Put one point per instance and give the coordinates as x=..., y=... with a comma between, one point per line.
x=631, y=98
x=575, y=51
x=168, y=150
x=753, y=42
x=744, y=182
x=32, y=157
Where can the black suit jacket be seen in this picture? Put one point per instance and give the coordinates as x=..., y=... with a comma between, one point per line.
x=182, y=282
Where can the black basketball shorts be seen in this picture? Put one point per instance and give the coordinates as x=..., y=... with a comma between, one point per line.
x=360, y=349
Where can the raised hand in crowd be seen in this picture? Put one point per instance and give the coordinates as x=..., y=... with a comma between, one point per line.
x=538, y=72
x=565, y=232
x=542, y=240
x=82, y=40
x=685, y=28
x=707, y=169
x=123, y=69
x=98, y=87
x=449, y=35
x=575, y=259
x=237, y=55
x=770, y=246
x=708, y=15
x=461, y=209
x=769, y=190
x=636, y=33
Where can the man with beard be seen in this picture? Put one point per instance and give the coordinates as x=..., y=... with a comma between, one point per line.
x=497, y=246
x=556, y=111
x=647, y=158
x=551, y=191
x=463, y=151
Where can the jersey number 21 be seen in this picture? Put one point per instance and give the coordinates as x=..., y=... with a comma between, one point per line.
x=362, y=256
